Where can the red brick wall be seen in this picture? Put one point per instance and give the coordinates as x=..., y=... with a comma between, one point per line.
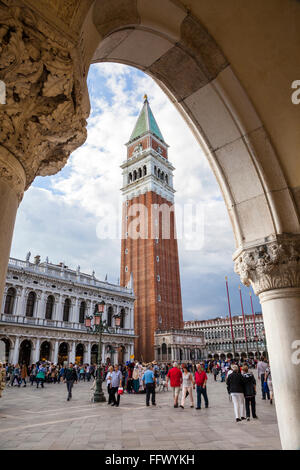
x=141, y=261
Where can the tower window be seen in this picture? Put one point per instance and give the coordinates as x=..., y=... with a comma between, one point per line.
x=156, y=241
x=126, y=251
x=144, y=170
x=140, y=172
x=157, y=259
x=126, y=269
x=158, y=277
x=159, y=298
x=127, y=203
x=155, y=170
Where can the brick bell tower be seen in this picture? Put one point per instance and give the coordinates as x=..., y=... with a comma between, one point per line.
x=149, y=253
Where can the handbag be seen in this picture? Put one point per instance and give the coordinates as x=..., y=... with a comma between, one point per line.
x=265, y=387
x=120, y=391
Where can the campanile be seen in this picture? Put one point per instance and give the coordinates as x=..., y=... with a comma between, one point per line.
x=149, y=246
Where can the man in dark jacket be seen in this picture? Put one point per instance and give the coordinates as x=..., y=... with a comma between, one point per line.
x=70, y=376
x=235, y=387
x=249, y=392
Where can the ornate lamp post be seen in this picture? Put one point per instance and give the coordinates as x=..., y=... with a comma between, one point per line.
x=98, y=327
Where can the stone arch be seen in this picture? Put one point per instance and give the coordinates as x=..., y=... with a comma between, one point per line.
x=79, y=353
x=63, y=352
x=25, y=351
x=189, y=65
x=45, y=351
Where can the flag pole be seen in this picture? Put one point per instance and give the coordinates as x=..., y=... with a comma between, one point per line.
x=253, y=315
x=229, y=309
x=244, y=321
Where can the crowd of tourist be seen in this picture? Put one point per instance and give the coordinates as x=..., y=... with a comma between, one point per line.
x=137, y=377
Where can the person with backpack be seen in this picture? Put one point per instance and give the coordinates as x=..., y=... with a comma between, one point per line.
x=249, y=392
x=40, y=376
x=235, y=387
x=70, y=376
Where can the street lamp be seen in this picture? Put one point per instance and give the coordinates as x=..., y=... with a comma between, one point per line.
x=98, y=327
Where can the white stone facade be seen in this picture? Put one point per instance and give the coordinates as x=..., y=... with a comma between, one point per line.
x=218, y=336
x=61, y=298
x=179, y=345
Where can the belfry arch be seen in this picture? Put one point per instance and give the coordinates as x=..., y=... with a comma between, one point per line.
x=252, y=152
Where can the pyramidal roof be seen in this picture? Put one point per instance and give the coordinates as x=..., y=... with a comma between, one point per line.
x=146, y=123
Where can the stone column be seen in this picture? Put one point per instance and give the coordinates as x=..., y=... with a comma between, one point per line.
x=273, y=270
x=72, y=352
x=36, y=353
x=89, y=353
x=12, y=185
x=44, y=117
x=55, y=353
x=16, y=350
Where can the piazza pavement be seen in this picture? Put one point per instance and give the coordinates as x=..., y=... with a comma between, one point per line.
x=42, y=419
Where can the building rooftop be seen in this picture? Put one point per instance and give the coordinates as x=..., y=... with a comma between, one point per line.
x=146, y=123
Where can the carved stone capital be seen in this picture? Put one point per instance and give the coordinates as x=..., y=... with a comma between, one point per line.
x=44, y=118
x=272, y=265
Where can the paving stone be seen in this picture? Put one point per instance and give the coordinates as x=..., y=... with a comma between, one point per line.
x=42, y=419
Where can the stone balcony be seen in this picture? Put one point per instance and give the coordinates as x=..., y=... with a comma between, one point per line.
x=42, y=322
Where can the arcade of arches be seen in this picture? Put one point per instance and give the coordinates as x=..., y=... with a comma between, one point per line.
x=228, y=67
x=19, y=349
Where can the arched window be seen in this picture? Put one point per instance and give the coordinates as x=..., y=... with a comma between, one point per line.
x=67, y=306
x=30, y=304
x=49, y=307
x=82, y=312
x=155, y=170
x=109, y=316
x=158, y=173
x=167, y=179
x=9, y=301
x=162, y=176
x=122, y=322
x=144, y=170
x=140, y=172
x=134, y=175
x=129, y=177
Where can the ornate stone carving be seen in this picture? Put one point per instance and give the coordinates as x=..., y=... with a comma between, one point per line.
x=43, y=120
x=273, y=265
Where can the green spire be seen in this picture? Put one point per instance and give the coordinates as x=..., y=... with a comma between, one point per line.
x=146, y=123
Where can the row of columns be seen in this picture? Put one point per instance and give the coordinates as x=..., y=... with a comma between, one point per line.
x=36, y=349
x=20, y=303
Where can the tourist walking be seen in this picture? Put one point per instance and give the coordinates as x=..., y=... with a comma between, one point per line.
x=175, y=376
x=201, y=379
x=16, y=375
x=187, y=386
x=24, y=374
x=250, y=392
x=40, y=376
x=2, y=378
x=149, y=382
x=70, y=376
x=116, y=383
x=108, y=383
x=136, y=379
x=32, y=374
x=268, y=380
x=235, y=388
x=261, y=369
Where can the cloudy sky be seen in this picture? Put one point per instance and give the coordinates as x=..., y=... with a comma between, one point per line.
x=75, y=216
